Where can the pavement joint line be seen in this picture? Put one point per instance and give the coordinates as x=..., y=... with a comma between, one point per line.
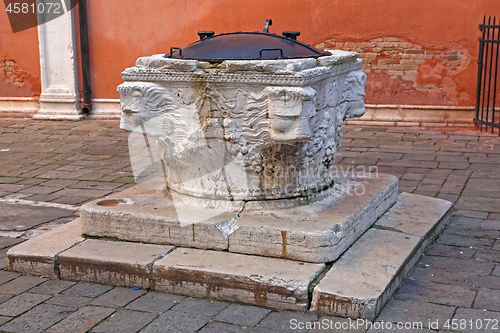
x=39, y=204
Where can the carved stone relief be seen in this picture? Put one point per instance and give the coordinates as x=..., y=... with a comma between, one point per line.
x=236, y=141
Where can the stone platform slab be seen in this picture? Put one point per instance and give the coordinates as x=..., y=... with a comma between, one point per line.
x=356, y=285
x=362, y=280
x=319, y=232
x=147, y=213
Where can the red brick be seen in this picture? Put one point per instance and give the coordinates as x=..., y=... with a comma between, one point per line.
x=413, y=51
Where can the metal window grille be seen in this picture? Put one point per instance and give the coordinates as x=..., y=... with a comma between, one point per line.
x=487, y=111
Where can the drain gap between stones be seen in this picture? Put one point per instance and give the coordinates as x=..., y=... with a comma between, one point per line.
x=315, y=282
x=56, y=259
x=150, y=267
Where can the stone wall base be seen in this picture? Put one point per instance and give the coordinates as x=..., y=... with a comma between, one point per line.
x=29, y=107
x=18, y=107
x=383, y=115
x=416, y=115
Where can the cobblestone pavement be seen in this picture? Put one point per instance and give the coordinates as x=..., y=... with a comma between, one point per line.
x=48, y=168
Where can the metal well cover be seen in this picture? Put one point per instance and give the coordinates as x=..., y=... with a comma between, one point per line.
x=246, y=46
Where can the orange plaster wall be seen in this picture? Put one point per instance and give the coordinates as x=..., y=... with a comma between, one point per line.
x=123, y=30
x=19, y=60
x=120, y=31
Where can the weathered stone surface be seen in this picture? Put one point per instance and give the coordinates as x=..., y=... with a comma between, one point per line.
x=283, y=322
x=52, y=287
x=21, y=303
x=150, y=215
x=335, y=324
x=416, y=215
x=7, y=276
x=4, y=297
x=277, y=283
x=115, y=263
x=488, y=299
x=117, y=297
x=377, y=329
x=70, y=301
x=172, y=321
x=4, y=319
x=23, y=217
x=473, y=266
x=242, y=315
x=402, y=311
x=85, y=289
x=359, y=283
x=362, y=280
x=476, y=320
x=9, y=241
x=21, y=284
x=450, y=251
x=37, y=256
x=475, y=203
x=217, y=327
x=387, y=256
x=461, y=296
x=82, y=320
x=125, y=321
x=204, y=307
x=319, y=232
x=156, y=302
x=38, y=319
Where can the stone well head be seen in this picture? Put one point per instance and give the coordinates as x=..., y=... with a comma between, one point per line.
x=261, y=131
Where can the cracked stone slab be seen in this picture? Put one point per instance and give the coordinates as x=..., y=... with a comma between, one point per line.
x=149, y=213
x=416, y=215
x=362, y=280
x=277, y=283
x=113, y=263
x=321, y=231
x=37, y=256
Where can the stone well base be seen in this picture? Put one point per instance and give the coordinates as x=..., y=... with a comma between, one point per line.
x=319, y=232
x=357, y=285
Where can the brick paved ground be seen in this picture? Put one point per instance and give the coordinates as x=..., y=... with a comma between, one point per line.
x=64, y=164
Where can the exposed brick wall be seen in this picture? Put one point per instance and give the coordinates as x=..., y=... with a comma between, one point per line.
x=403, y=72
x=16, y=81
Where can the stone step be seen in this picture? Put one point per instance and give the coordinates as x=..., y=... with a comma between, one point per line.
x=361, y=281
x=271, y=282
x=115, y=263
x=357, y=285
x=62, y=253
x=37, y=256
